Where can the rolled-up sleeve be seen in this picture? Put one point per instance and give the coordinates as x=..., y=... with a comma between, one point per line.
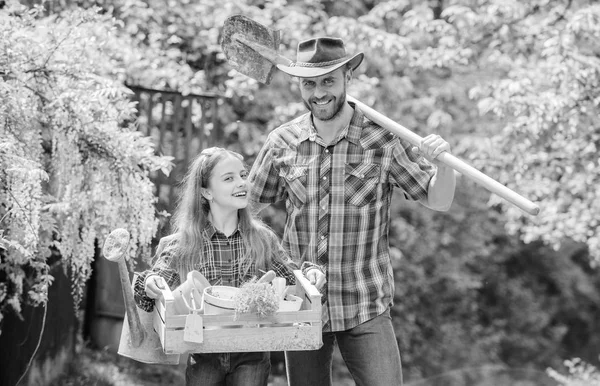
x=264, y=178
x=410, y=172
x=161, y=268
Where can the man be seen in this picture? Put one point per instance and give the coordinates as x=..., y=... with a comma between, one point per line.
x=336, y=171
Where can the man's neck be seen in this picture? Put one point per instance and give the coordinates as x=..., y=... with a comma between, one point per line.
x=330, y=129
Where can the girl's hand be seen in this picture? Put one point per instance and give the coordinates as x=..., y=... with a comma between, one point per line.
x=316, y=277
x=153, y=286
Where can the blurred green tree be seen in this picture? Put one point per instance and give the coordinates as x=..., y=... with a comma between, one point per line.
x=512, y=85
x=72, y=165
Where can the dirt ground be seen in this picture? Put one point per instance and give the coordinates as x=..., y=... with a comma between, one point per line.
x=103, y=368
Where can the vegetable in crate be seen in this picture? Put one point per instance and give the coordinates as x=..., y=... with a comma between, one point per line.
x=259, y=298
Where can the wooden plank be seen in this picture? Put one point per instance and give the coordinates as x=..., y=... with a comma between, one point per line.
x=201, y=134
x=158, y=325
x=150, y=106
x=309, y=289
x=188, y=131
x=163, y=124
x=217, y=134
x=207, y=95
x=298, y=337
x=247, y=320
x=175, y=128
x=165, y=305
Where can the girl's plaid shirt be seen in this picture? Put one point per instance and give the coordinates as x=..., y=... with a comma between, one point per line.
x=221, y=266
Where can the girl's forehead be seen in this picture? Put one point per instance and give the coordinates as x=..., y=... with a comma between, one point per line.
x=229, y=161
x=230, y=157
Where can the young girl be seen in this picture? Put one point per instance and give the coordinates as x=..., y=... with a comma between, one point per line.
x=215, y=234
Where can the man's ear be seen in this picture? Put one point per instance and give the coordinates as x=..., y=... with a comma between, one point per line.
x=348, y=75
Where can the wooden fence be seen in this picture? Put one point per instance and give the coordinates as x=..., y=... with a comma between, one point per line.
x=181, y=126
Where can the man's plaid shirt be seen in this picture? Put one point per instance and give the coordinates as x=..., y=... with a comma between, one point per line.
x=221, y=266
x=344, y=213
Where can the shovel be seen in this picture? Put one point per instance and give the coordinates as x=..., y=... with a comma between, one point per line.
x=252, y=49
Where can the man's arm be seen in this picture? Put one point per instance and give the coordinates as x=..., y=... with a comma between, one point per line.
x=256, y=207
x=440, y=193
x=263, y=180
x=441, y=189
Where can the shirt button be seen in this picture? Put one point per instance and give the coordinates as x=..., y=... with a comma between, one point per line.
x=324, y=178
x=326, y=150
x=322, y=237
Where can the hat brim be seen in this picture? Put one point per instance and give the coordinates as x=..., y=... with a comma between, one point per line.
x=312, y=72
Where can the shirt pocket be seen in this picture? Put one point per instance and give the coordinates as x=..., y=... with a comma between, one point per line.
x=295, y=181
x=362, y=183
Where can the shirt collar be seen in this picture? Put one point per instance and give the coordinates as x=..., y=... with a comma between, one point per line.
x=306, y=128
x=210, y=230
x=355, y=127
x=351, y=133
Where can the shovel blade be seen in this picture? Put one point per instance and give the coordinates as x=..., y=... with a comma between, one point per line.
x=242, y=57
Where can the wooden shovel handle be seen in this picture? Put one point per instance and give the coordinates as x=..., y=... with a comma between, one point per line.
x=449, y=160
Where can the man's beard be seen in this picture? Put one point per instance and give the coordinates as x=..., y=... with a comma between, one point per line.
x=337, y=108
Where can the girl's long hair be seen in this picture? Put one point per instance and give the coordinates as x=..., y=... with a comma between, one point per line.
x=191, y=218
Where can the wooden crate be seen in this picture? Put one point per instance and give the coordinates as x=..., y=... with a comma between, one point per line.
x=283, y=331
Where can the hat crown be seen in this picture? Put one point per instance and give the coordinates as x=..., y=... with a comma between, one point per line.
x=321, y=51
x=320, y=56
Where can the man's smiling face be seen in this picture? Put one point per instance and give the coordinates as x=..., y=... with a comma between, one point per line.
x=324, y=96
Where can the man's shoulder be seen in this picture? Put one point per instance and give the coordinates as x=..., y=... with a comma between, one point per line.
x=291, y=129
x=373, y=135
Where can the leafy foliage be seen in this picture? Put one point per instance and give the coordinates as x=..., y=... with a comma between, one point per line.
x=513, y=86
x=580, y=374
x=73, y=165
x=546, y=100
x=532, y=66
x=467, y=294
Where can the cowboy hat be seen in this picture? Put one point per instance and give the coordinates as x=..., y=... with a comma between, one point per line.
x=320, y=56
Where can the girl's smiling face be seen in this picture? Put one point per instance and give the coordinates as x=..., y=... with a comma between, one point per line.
x=227, y=184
